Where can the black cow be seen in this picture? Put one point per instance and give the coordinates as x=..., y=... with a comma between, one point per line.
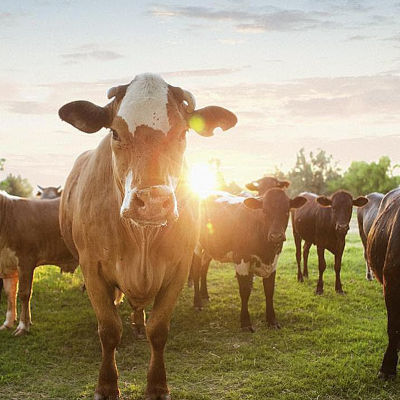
x=250, y=233
x=365, y=217
x=383, y=255
x=324, y=222
x=267, y=182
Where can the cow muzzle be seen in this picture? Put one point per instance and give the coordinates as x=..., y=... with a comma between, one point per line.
x=277, y=237
x=154, y=205
x=342, y=229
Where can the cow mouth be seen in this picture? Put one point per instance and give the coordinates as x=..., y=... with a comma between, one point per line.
x=150, y=222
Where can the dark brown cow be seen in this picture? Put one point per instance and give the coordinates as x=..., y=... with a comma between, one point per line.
x=383, y=254
x=250, y=233
x=128, y=216
x=324, y=222
x=29, y=237
x=365, y=217
x=267, y=182
x=201, y=291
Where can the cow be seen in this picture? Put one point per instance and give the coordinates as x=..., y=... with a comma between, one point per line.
x=324, y=222
x=383, y=255
x=365, y=218
x=29, y=237
x=250, y=233
x=128, y=216
x=201, y=292
x=263, y=184
x=50, y=192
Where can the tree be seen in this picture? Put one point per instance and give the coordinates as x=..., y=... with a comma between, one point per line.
x=2, y=161
x=312, y=173
x=16, y=186
x=362, y=178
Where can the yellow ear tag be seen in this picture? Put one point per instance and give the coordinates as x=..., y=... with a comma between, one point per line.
x=197, y=123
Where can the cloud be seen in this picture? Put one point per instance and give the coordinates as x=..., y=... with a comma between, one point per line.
x=250, y=21
x=202, y=72
x=30, y=107
x=358, y=38
x=99, y=55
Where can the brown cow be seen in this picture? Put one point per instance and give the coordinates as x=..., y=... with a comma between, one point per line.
x=201, y=291
x=128, y=216
x=250, y=233
x=267, y=182
x=29, y=237
x=365, y=217
x=324, y=222
x=49, y=192
x=383, y=255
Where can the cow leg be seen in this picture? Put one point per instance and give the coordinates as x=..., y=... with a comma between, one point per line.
x=338, y=266
x=25, y=273
x=102, y=296
x=10, y=288
x=196, y=271
x=245, y=280
x=138, y=318
x=203, y=284
x=392, y=296
x=157, y=332
x=306, y=251
x=369, y=276
x=297, y=241
x=321, y=269
x=269, y=288
x=190, y=279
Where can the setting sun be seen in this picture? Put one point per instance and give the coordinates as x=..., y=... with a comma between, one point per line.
x=202, y=179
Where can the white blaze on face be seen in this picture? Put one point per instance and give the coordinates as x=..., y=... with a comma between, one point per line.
x=145, y=103
x=129, y=191
x=243, y=268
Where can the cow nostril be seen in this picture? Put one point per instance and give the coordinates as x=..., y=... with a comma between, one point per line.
x=167, y=203
x=138, y=201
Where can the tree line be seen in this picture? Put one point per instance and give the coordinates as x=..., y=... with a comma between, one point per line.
x=15, y=184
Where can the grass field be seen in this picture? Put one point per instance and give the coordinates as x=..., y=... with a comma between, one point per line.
x=329, y=347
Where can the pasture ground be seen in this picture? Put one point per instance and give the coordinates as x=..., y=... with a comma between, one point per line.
x=329, y=348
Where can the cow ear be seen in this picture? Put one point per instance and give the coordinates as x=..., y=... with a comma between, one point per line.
x=252, y=186
x=85, y=116
x=360, y=201
x=253, y=203
x=206, y=119
x=283, y=184
x=298, y=202
x=38, y=194
x=324, y=201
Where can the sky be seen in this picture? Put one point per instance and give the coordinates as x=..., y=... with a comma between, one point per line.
x=313, y=74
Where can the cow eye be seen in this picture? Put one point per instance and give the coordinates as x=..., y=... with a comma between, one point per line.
x=115, y=135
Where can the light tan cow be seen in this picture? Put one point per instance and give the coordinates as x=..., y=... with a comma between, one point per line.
x=128, y=216
x=29, y=236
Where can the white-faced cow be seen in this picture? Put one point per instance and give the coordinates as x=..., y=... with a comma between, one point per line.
x=383, y=255
x=127, y=215
x=250, y=233
x=29, y=237
x=365, y=217
x=324, y=222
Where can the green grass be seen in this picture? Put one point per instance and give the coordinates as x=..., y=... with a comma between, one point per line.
x=329, y=347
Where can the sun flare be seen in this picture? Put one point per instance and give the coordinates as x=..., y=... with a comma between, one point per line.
x=202, y=179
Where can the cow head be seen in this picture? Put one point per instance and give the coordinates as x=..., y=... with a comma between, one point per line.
x=50, y=192
x=276, y=206
x=148, y=120
x=341, y=203
x=267, y=182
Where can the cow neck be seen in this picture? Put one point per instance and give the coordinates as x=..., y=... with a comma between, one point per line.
x=4, y=212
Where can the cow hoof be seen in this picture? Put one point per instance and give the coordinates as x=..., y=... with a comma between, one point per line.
x=384, y=376
x=319, y=292
x=165, y=396
x=341, y=292
x=20, y=332
x=5, y=327
x=205, y=300
x=198, y=308
x=98, y=396
x=369, y=278
x=248, y=329
x=273, y=325
x=301, y=280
